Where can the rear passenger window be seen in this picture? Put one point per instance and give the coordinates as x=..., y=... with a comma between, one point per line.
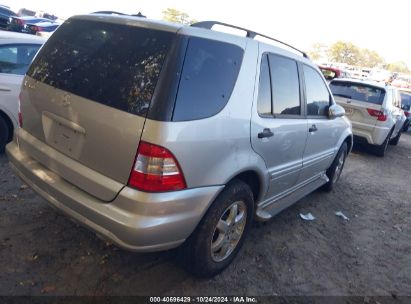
x=264, y=89
x=285, y=86
x=318, y=97
x=209, y=74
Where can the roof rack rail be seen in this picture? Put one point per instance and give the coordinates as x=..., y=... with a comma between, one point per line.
x=120, y=14
x=250, y=34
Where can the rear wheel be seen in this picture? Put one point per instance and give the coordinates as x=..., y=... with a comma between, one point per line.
x=4, y=134
x=381, y=149
x=334, y=172
x=220, y=234
x=396, y=139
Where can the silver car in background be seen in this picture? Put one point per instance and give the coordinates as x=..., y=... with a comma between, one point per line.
x=374, y=110
x=16, y=53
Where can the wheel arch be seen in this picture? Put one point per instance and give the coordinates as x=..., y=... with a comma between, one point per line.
x=9, y=123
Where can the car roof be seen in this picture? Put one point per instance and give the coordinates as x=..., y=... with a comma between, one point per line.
x=361, y=81
x=13, y=37
x=329, y=68
x=44, y=23
x=188, y=30
x=30, y=17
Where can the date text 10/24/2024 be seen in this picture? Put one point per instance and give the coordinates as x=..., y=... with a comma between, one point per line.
x=205, y=299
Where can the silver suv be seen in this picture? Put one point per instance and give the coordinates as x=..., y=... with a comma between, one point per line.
x=374, y=110
x=156, y=135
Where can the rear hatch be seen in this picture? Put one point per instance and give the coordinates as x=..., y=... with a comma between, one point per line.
x=86, y=96
x=362, y=102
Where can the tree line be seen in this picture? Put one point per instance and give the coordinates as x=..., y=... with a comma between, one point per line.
x=340, y=51
x=349, y=53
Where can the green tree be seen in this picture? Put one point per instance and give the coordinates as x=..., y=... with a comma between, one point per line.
x=173, y=15
x=370, y=58
x=344, y=52
x=399, y=66
x=317, y=51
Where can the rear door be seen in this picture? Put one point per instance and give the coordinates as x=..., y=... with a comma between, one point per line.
x=279, y=128
x=88, y=91
x=360, y=101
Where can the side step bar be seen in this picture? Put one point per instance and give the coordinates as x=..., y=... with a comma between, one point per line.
x=267, y=210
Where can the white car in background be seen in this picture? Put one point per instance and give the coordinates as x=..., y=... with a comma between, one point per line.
x=374, y=110
x=16, y=53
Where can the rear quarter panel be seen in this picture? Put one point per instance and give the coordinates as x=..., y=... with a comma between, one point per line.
x=213, y=150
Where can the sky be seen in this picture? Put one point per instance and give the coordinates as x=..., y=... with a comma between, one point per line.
x=376, y=25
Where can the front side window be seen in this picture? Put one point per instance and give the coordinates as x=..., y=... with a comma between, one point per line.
x=15, y=59
x=318, y=97
x=285, y=86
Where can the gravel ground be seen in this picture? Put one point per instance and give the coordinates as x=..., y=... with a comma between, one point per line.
x=42, y=252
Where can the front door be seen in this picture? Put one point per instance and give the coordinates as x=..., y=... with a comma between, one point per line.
x=322, y=134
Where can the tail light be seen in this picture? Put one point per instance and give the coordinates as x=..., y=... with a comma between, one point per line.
x=156, y=170
x=20, y=116
x=407, y=113
x=381, y=116
x=20, y=22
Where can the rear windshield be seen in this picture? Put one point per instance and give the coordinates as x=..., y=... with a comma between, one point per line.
x=405, y=101
x=360, y=92
x=112, y=64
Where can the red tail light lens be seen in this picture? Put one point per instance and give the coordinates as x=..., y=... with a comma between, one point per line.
x=377, y=113
x=407, y=113
x=156, y=170
x=19, y=113
x=19, y=22
x=37, y=28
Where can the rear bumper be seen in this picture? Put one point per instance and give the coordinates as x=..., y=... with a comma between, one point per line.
x=373, y=135
x=134, y=220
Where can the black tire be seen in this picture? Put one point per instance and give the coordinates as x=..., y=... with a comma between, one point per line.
x=396, y=139
x=381, y=149
x=4, y=134
x=334, y=171
x=196, y=253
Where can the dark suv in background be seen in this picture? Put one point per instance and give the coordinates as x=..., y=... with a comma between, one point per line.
x=5, y=16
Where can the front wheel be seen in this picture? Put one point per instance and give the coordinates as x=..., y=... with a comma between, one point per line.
x=221, y=233
x=334, y=172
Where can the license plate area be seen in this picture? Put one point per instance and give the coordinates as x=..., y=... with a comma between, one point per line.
x=348, y=111
x=63, y=135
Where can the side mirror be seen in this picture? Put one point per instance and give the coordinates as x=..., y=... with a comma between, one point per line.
x=335, y=111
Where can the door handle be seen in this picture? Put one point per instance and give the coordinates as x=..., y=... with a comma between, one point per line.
x=266, y=133
x=313, y=128
x=2, y=89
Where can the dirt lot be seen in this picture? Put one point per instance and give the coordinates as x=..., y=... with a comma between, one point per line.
x=43, y=252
